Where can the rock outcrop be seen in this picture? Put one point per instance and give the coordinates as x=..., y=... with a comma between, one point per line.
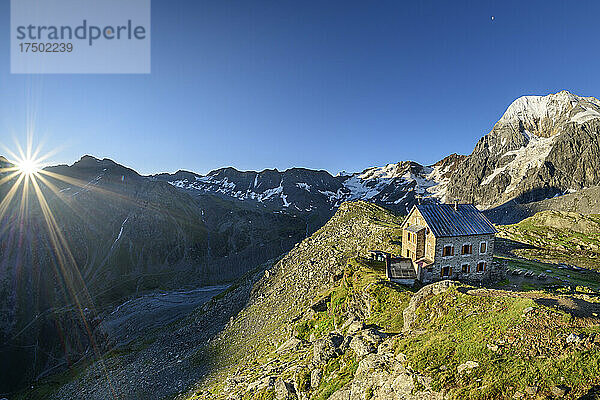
x=382, y=375
x=409, y=313
x=542, y=146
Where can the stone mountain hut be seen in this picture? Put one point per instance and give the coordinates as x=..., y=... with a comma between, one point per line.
x=448, y=241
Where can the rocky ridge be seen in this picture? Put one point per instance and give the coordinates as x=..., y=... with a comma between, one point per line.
x=304, y=191
x=541, y=147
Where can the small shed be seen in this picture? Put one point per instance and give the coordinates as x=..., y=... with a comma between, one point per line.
x=400, y=270
x=377, y=255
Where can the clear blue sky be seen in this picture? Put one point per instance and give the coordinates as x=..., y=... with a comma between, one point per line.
x=332, y=85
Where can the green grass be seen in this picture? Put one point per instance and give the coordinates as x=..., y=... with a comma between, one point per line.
x=337, y=373
x=387, y=299
x=361, y=277
x=264, y=394
x=576, y=278
x=558, y=237
x=459, y=327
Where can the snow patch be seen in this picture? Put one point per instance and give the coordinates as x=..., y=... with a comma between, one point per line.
x=530, y=156
x=585, y=116
x=121, y=231
x=304, y=186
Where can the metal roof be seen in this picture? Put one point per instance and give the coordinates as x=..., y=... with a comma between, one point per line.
x=444, y=220
x=401, y=268
x=415, y=228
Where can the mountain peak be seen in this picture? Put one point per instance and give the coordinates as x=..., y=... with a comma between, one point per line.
x=537, y=107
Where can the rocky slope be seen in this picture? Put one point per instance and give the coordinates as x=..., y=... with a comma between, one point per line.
x=585, y=201
x=113, y=233
x=542, y=146
x=324, y=323
x=334, y=328
x=558, y=237
x=330, y=326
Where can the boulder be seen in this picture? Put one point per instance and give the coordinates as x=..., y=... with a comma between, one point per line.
x=327, y=348
x=366, y=341
x=284, y=390
x=531, y=390
x=289, y=345
x=573, y=338
x=315, y=378
x=384, y=377
x=493, y=347
x=467, y=367
x=355, y=326
x=361, y=347
x=559, y=391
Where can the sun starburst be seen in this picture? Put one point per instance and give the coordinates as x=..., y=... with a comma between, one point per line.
x=23, y=202
x=28, y=166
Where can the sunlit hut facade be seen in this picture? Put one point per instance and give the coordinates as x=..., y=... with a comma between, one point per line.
x=449, y=241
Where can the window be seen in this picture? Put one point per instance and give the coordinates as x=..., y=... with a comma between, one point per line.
x=466, y=268
x=448, y=251
x=467, y=249
x=482, y=247
x=446, y=271
x=430, y=269
x=481, y=266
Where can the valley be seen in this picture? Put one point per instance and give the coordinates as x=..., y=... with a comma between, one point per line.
x=254, y=284
x=347, y=331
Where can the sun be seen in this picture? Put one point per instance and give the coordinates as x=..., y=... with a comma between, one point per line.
x=28, y=166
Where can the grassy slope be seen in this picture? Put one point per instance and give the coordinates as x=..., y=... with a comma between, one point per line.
x=531, y=346
x=558, y=237
x=451, y=328
x=287, y=291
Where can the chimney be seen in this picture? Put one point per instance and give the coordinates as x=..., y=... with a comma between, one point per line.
x=456, y=205
x=418, y=198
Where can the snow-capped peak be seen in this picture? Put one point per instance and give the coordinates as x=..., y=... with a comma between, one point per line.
x=537, y=107
x=387, y=172
x=544, y=115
